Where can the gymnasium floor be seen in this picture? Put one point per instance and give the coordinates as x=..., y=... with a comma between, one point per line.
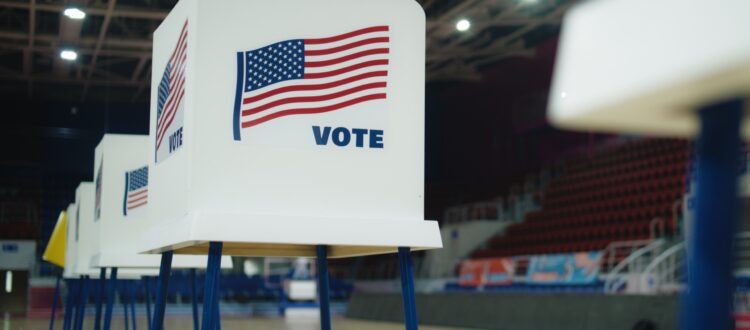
x=228, y=323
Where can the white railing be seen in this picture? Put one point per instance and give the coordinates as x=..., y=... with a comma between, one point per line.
x=657, y=227
x=631, y=267
x=665, y=272
x=622, y=247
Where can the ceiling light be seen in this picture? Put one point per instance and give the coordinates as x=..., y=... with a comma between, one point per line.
x=74, y=13
x=463, y=25
x=68, y=55
x=530, y=2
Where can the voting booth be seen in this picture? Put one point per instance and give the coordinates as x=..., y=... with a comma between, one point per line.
x=70, y=243
x=85, y=235
x=644, y=66
x=121, y=177
x=299, y=132
x=282, y=139
x=669, y=68
x=121, y=208
x=83, y=232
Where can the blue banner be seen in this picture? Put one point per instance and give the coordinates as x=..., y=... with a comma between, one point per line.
x=564, y=268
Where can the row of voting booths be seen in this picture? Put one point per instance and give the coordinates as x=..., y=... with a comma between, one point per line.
x=306, y=140
x=98, y=237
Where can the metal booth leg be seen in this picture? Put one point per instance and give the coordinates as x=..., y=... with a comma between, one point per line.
x=148, y=301
x=82, y=300
x=710, y=258
x=55, y=296
x=124, y=301
x=111, y=289
x=195, y=298
x=131, y=293
x=99, y=298
x=210, y=296
x=323, y=287
x=161, y=291
x=407, y=288
x=70, y=284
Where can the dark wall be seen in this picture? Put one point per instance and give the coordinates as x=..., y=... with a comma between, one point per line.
x=484, y=136
x=48, y=148
x=522, y=311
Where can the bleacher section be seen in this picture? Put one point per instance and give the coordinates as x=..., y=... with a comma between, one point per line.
x=620, y=194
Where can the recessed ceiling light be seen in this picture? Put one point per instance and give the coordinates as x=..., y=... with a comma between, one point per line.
x=74, y=13
x=530, y=2
x=68, y=55
x=463, y=25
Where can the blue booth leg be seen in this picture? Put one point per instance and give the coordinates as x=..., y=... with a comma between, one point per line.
x=77, y=302
x=210, y=319
x=55, y=296
x=407, y=288
x=323, y=287
x=131, y=293
x=99, y=298
x=70, y=300
x=148, y=301
x=82, y=300
x=165, y=269
x=710, y=258
x=124, y=301
x=194, y=298
x=111, y=289
x=217, y=312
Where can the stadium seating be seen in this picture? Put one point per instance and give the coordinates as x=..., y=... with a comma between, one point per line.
x=620, y=194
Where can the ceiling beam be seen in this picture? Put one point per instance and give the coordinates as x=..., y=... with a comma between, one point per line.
x=44, y=78
x=139, y=68
x=102, y=34
x=86, y=51
x=144, y=84
x=95, y=11
x=145, y=44
x=28, y=54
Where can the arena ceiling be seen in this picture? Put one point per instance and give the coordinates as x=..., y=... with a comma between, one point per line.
x=113, y=43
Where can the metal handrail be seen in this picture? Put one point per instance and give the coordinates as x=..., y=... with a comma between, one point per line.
x=611, y=249
x=658, y=221
x=663, y=256
x=676, y=207
x=611, y=276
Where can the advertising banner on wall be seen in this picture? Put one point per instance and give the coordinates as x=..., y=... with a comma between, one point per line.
x=494, y=271
x=564, y=268
x=471, y=273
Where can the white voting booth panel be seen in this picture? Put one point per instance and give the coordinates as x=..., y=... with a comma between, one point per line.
x=121, y=179
x=302, y=126
x=86, y=235
x=642, y=66
x=70, y=244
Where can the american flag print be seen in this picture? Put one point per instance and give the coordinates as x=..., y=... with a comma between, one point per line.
x=98, y=198
x=310, y=76
x=170, y=98
x=136, y=190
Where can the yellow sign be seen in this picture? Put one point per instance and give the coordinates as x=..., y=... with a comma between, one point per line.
x=55, y=251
